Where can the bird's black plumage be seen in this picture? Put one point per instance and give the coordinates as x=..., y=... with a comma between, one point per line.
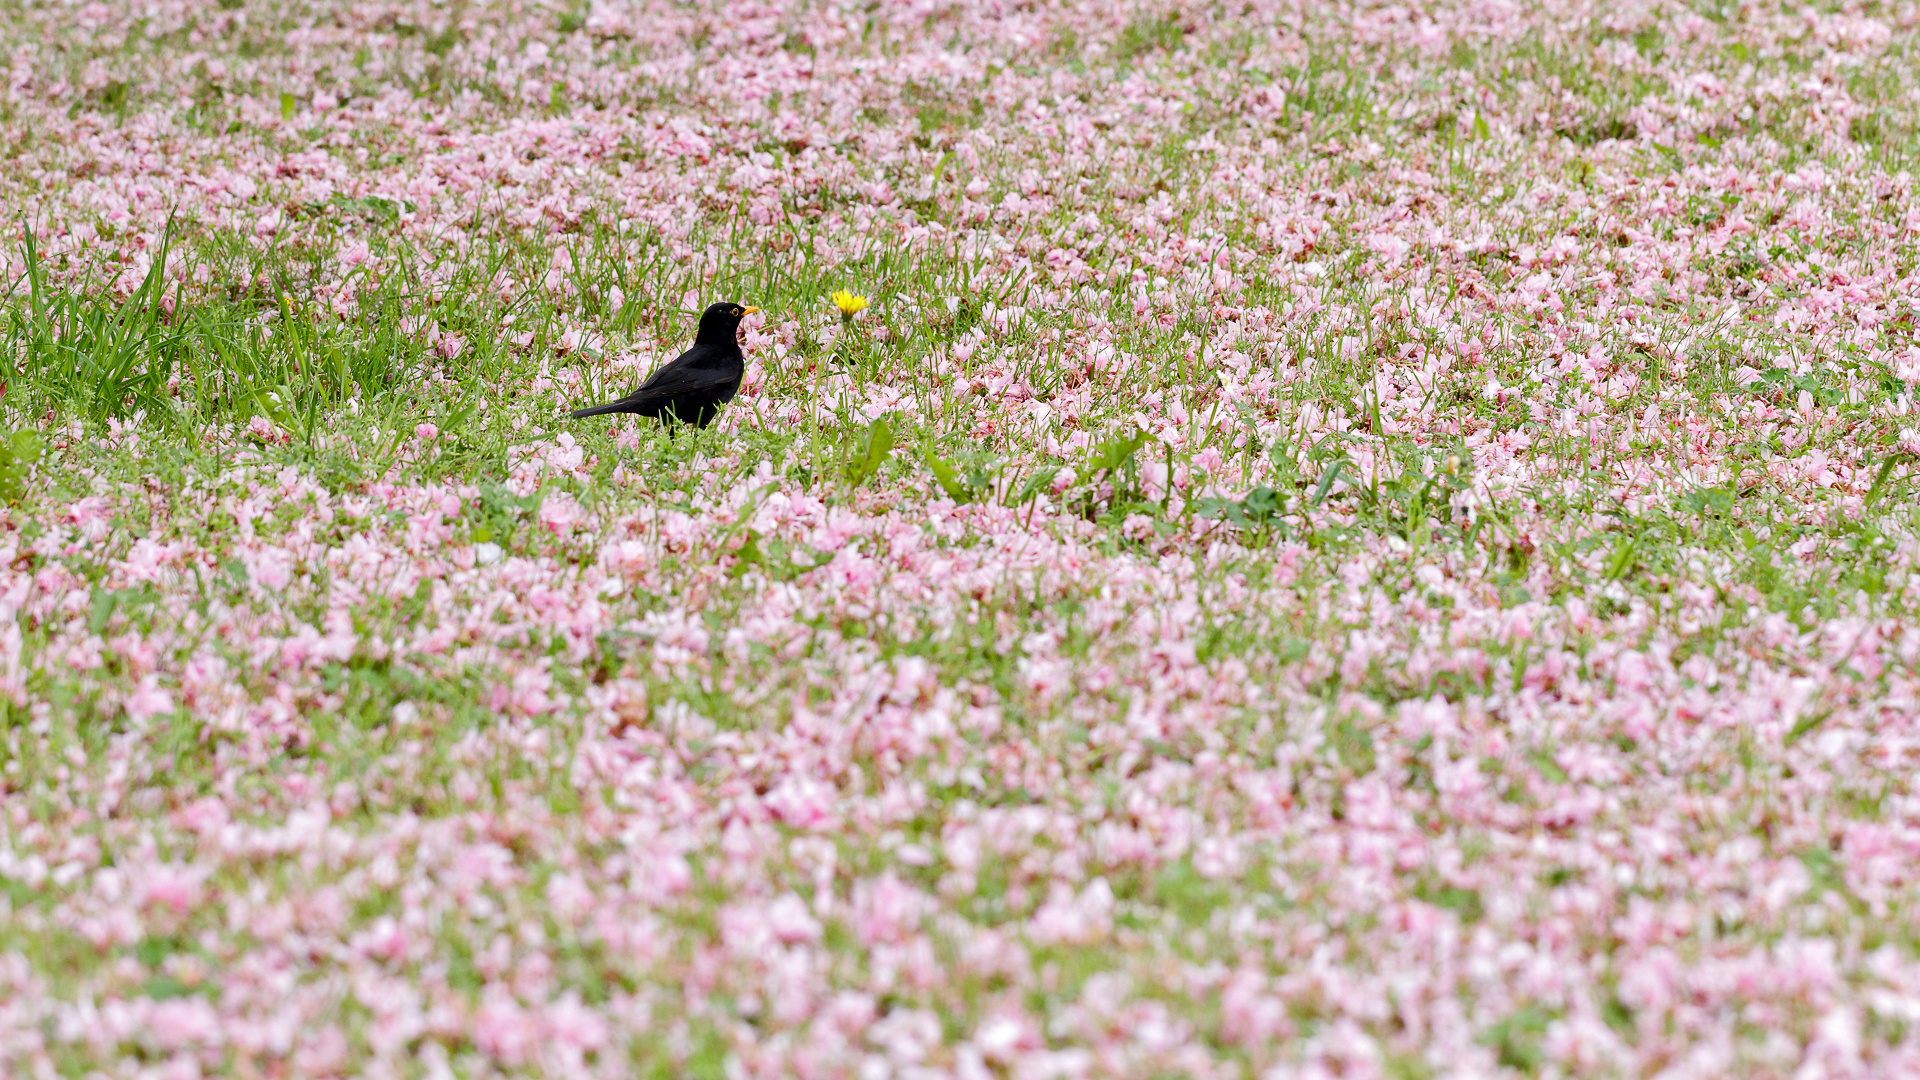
x=690, y=388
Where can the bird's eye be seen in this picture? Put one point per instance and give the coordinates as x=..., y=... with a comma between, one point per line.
x=737, y=311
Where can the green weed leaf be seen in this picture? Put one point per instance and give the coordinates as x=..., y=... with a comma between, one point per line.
x=1034, y=484
x=1261, y=509
x=1517, y=1039
x=873, y=454
x=747, y=557
x=949, y=480
x=1325, y=485
x=18, y=454
x=1116, y=452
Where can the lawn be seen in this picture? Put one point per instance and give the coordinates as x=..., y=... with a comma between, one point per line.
x=1345, y=541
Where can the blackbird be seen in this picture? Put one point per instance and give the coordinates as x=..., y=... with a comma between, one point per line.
x=691, y=387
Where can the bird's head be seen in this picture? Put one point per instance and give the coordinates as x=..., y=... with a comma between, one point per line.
x=719, y=322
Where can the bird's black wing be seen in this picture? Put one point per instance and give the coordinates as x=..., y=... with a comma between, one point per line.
x=675, y=379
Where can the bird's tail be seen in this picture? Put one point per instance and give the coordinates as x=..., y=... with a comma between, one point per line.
x=601, y=410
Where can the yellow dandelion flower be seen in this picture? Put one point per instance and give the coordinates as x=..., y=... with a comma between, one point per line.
x=849, y=303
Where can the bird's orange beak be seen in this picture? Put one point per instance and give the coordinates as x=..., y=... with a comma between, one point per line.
x=748, y=311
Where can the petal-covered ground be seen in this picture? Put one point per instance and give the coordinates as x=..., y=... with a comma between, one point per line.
x=1347, y=540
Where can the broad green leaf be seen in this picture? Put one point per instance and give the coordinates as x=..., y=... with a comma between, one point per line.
x=879, y=443
x=1033, y=485
x=748, y=556
x=26, y=446
x=949, y=480
x=1327, y=478
x=1115, y=452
